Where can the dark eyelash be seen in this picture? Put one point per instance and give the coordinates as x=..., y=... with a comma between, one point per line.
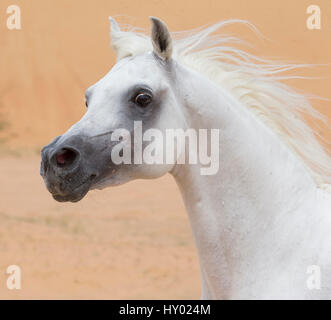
x=140, y=91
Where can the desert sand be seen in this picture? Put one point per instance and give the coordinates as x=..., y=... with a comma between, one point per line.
x=132, y=241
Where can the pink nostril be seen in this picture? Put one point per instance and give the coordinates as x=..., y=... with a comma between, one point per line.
x=60, y=159
x=65, y=157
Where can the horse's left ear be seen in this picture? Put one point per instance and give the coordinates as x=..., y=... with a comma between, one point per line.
x=161, y=39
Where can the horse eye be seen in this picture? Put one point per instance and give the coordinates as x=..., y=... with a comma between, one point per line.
x=143, y=99
x=86, y=103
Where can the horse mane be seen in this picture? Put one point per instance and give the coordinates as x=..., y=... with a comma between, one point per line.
x=254, y=81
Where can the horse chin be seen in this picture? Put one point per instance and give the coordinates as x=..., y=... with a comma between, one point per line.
x=74, y=196
x=68, y=198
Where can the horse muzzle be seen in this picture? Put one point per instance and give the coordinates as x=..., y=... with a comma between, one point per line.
x=65, y=168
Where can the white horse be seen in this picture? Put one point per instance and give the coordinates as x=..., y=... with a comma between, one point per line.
x=262, y=223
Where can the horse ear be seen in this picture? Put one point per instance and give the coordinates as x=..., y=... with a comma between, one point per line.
x=161, y=39
x=114, y=33
x=114, y=27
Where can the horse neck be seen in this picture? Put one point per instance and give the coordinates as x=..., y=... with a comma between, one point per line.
x=259, y=181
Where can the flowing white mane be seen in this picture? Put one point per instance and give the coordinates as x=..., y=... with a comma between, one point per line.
x=252, y=80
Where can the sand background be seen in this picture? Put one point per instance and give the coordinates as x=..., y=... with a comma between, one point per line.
x=133, y=241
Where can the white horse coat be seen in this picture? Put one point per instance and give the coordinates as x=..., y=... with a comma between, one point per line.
x=263, y=222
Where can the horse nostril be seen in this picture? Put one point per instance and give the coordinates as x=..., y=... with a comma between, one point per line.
x=65, y=157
